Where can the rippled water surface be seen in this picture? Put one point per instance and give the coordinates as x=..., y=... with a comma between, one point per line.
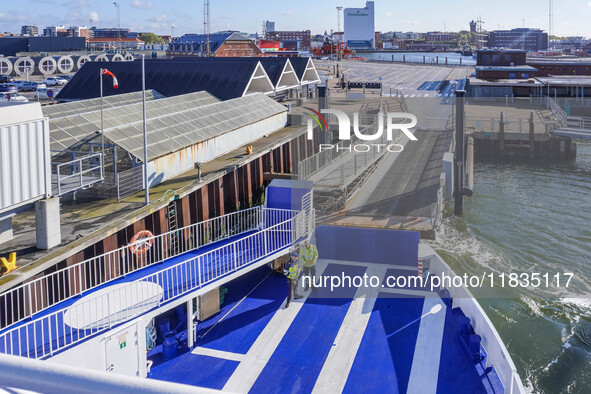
x=532, y=216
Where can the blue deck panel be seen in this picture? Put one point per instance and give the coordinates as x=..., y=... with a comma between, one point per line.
x=299, y=357
x=196, y=370
x=244, y=320
x=455, y=366
x=384, y=359
x=62, y=334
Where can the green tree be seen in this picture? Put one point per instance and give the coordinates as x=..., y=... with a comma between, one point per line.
x=151, y=38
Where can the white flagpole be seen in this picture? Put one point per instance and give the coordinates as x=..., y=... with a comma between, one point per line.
x=147, y=188
x=102, y=126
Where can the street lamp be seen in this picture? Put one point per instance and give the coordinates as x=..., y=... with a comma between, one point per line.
x=118, y=23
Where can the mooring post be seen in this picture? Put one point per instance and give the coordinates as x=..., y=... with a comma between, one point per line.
x=502, y=135
x=459, y=154
x=532, y=141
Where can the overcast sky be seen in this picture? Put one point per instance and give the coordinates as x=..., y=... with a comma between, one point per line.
x=571, y=17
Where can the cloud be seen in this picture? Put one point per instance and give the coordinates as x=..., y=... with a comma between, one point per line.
x=408, y=22
x=75, y=3
x=289, y=12
x=142, y=5
x=94, y=16
x=160, y=18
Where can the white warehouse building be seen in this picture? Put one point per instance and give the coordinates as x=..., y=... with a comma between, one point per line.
x=360, y=27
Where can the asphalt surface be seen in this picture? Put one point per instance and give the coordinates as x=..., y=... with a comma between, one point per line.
x=410, y=79
x=409, y=184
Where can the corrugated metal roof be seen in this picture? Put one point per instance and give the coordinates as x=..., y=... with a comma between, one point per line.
x=223, y=79
x=172, y=132
x=68, y=130
x=77, y=107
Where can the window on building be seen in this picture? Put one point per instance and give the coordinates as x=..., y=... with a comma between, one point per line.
x=230, y=47
x=238, y=47
x=524, y=75
x=512, y=75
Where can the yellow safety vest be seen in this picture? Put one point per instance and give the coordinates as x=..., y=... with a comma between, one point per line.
x=294, y=272
x=309, y=255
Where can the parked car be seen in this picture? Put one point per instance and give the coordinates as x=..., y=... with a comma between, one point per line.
x=13, y=97
x=66, y=77
x=6, y=78
x=32, y=86
x=55, y=81
x=18, y=84
x=6, y=88
x=44, y=93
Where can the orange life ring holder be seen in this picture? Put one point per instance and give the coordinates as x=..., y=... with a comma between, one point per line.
x=141, y=242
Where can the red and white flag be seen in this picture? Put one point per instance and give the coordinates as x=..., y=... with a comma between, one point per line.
x=115, y=83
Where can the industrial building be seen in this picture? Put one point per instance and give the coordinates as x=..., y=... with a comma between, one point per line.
x=360, y=27
x=532, y=40
x=10, y=46
x=225, y=78
x=181, y=131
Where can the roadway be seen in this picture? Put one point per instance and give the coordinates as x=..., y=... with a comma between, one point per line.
x=411, y=79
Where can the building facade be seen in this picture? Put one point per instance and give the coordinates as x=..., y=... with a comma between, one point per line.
x=527, y=39
x=97, y=43
x=440, y=37
x=360, y=27
x=269, y=26
x=30, y=30
x=291, y=39
x=55, y=31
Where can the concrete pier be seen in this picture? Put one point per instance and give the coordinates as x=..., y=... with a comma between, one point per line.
x=47, y=217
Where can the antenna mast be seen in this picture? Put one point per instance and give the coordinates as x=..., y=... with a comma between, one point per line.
x=206, y=27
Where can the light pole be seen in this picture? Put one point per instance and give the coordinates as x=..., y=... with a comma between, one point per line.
x=339, y=55
x=102, y=123
x=147, y=185
x=118, y=23
x=172, y=29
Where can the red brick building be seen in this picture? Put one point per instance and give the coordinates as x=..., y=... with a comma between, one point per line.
x=238, y=46
x=286, y=37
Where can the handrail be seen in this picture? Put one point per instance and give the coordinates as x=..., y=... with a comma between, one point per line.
x=35, y=296
x=78, y=171
x=81, y=320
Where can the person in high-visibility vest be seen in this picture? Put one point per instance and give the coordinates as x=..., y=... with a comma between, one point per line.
x=292, y=271
x=309, y=255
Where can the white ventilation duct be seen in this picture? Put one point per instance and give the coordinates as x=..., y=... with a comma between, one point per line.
x=83, y=59
x=24, y=66
x=5, y=66
x=47, y=65
x=118, y=58
x=65, y=64
x=101, y=58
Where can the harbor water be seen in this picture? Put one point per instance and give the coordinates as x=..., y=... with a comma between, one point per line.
x=417, y=57
x=532, y=216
